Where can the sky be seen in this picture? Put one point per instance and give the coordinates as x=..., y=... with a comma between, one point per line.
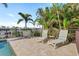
x=9, y=16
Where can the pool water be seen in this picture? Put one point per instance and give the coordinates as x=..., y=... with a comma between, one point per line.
x=6, y=49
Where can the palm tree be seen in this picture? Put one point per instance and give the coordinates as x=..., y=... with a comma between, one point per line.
x=33, y=23
x=62, y=13
x=5, y=4
x=65, y=13
x=25, y=17
x=71, y=15
x=56, y=10
x=44, y=16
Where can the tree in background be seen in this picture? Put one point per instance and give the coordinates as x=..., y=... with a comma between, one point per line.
x=25, y=17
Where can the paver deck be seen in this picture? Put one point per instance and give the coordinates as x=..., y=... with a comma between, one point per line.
x=30, y=47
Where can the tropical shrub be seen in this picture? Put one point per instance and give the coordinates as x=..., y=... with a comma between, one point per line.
x=60, y=16
x=37, y=33
x=53, y=32
x=16, y=33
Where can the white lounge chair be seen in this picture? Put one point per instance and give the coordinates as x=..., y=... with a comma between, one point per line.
x=62, y=38
x=27, y=33
x=44, y=36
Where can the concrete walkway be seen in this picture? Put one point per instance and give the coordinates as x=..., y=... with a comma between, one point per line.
x=30, y=47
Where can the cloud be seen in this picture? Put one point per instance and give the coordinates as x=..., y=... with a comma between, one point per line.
x=11, y=15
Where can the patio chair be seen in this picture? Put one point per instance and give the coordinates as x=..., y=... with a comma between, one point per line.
x=27, y=34
x=44, y=36
x=62, y=38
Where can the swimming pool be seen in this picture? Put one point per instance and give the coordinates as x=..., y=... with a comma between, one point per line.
x=6, y=49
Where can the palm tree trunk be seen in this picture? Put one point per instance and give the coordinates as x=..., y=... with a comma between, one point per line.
x=58, y=20
x=43, y=27
x=25, y=24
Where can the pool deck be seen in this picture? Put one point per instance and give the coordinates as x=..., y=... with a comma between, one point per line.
x=31, y=47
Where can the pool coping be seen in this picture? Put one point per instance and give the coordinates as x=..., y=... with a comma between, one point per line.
x=14, y=39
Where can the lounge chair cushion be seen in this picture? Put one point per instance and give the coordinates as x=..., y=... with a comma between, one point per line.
x=57, y=41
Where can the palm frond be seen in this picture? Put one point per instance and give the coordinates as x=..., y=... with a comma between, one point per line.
x=5, y=4
x=19, y=21
x=28, y=15
x=22, y=15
